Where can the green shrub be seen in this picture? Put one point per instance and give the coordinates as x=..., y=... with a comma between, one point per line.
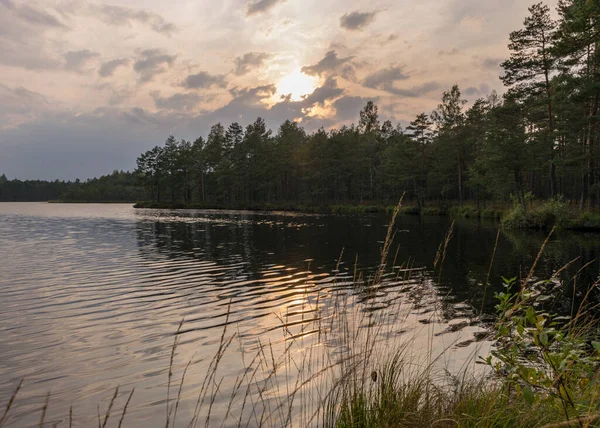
x=548, y=361
x=586, y=220
x=431, y=211
x=492, y=213
x=464, y=211
x=552, y=213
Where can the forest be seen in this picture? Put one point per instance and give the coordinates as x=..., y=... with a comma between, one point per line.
x=119, y=186
x=540, y=139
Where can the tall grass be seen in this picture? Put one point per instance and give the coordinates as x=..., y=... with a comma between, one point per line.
x=343, y=365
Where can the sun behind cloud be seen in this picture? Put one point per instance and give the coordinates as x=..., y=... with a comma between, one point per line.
x=296, y=84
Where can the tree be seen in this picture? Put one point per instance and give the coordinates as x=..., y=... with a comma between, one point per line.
x=449, y=119
x=528, y=72
x=369, y=118
x=422, y=134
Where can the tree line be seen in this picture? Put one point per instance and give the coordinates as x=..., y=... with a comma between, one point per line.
x=540, y=137
x=119, y=186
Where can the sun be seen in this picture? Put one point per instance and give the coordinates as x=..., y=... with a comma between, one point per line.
x=296, y=84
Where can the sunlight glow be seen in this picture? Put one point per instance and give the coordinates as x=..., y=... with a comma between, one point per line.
x=296, y=84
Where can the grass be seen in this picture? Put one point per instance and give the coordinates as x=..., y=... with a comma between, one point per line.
x=370, y=379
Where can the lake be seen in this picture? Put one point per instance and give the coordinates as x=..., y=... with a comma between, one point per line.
x=91, y=296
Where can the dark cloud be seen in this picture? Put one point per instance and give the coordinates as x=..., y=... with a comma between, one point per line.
x=244, y=64
x=328, y=91
x=121, y=15
x=204, y=80
x=68, y=145
x=20, y=101
x=357, y=20
x=390, y=38
x=413, y=92
x=251, y=96
x=76, y=60
x=491, y=63
x=329, y=64
x=349, y=107
x=176, y=102
x=384, y=77
x=471, y=90
x=108, y=68
x=152, y=62
x=261, y=6
x=481, y=91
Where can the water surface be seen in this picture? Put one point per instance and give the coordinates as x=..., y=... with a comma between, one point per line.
x=91, y=295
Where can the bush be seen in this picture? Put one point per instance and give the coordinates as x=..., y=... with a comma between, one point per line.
x=586, y=221
x=464, y=211
x=548, y=361
x=552, y=213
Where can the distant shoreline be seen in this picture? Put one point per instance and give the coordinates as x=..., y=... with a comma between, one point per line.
x=89, y=202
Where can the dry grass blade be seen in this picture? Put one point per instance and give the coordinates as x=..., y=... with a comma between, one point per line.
x=579, y=421
x=537, y=259
x=181, y=388
x=173, y=349
x=44, y=409
x=110, y=405
x=10, y=403
x=389, y=239
x=125, y=408
x=489, y=272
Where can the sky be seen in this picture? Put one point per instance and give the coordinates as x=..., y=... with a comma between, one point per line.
x=86, y=86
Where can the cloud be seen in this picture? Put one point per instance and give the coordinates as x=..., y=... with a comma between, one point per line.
x=261, y=6
x=24, y=31
x=108, y=68
x=413, y=92
x=152, y=62
x=328, y=91
x=450, y=52
x=82, y=145
x=204, y=80
x=349, y=107
x=386, y=78
x=121, y=16
x=117, y=96
x=483, y=90
x=391, y=38
x=383, y=77
x=357, y=20
x=244, y=64
x=76, y=60
x=329, y=63
x=176, y=102
x=251, y=96
x=34, y=15
x=19, y=104
x=491, y=63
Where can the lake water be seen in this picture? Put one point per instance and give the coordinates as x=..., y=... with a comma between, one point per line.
x=91, y=296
